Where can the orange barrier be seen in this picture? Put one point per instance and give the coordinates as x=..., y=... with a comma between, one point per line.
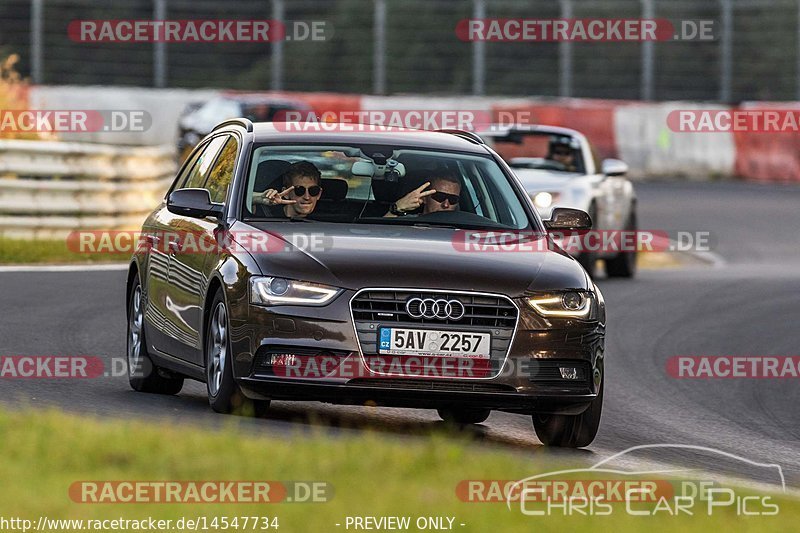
x=772, y=157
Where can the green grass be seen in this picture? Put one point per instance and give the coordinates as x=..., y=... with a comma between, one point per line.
x=22, y=252
x=372, y=474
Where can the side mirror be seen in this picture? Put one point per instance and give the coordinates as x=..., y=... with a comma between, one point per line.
x=614, y=167
x=564, y=218
x=195, y=203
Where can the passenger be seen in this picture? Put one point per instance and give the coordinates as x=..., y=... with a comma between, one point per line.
x=443, y=196
x=299, y=198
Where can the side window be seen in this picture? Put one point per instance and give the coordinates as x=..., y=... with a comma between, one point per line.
x=221, y=174
x=197, y=176
x=185, y=171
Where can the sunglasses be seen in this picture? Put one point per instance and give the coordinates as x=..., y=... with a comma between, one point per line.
x=562, y=152
x=314, y=190
x=442, y=196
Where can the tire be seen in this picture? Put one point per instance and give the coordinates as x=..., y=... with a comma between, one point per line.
x=224, y=395
x=624, y=264
x=588, y=260
x=143, y=375
x=570, y=431
x=463, y=415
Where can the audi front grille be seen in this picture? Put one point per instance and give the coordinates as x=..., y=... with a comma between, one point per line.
x=389, y=307
x=482, y=313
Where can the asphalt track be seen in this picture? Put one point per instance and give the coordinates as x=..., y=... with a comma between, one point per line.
x=746, y=306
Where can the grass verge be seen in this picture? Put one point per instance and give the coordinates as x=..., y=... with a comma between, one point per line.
x=44, y=252
x=44, y=453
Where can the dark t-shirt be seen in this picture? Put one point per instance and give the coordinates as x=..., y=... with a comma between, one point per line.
x=270, y=211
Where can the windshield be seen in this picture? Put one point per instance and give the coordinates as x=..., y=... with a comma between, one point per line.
x=541, y=151
x=381, y=185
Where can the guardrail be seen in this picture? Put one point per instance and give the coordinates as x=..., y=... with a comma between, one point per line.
x=50, y=188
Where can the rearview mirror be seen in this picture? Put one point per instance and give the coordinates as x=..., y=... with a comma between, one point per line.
x=564, y=218
x=364, y=169
x=614, y=167
x=195, y=203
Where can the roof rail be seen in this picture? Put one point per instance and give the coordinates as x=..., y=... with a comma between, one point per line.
x=464, y=134
x=243, y=122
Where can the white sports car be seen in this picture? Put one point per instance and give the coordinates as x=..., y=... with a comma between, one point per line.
x=558, y=168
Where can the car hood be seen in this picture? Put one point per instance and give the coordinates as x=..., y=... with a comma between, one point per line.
x=545, y=180
x=356, y=257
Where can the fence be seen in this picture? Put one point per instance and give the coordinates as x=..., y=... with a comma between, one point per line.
x=49, y=188
x=410, y=46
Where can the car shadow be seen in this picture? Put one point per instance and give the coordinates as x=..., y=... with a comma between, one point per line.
x=313, y=417
x=411, y=423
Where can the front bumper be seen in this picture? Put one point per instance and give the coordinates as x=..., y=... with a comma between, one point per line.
x=270, y=343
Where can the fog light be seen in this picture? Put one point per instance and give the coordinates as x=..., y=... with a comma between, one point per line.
x=283, y=359
x=568, y=372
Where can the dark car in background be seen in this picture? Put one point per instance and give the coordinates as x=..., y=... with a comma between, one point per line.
x=377, y=310
x=199, y=118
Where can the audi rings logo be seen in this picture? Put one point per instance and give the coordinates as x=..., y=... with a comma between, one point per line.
x=433, y=308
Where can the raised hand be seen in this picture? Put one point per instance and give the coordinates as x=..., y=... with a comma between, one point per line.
x=415, y=198
x=273, y=197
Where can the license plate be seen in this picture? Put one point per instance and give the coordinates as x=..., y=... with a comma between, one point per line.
x=432, y=343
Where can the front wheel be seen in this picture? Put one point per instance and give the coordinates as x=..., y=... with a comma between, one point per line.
x=143, y=375
x=224, y=395
x=570, y=431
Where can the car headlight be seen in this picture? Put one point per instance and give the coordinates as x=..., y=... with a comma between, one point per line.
x=569, y=304
x=281, y=291
x=543, y=199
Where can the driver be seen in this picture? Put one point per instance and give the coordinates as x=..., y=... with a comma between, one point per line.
x=561, y=151
x=444, y=195
x=302, y=191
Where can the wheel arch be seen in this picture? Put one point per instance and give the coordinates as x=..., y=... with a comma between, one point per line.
x=214, y=284
x=133, y=272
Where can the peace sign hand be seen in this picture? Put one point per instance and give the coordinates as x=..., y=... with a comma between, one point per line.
x=415, y=198
x=273, y=197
